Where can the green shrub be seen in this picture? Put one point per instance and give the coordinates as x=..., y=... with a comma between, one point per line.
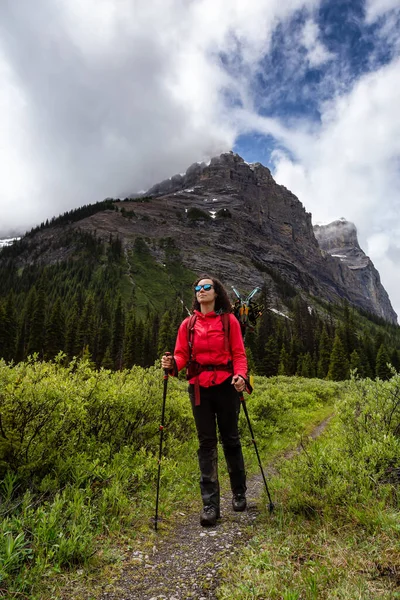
x=79, y=448
x=358, y=460
x=281, y=405
x=52, y=416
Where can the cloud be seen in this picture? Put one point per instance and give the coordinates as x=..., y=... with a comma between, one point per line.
x=386, y=15
x=374, y=9
x=106, y=97
x=117, y=94
x=378, y=244
x=317, y=54
x=18, y=178
x=349, y=165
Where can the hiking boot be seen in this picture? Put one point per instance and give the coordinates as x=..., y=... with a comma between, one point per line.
x=209, y=516
x=239, y=502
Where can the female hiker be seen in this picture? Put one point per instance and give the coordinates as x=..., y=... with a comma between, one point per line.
x=210, y=345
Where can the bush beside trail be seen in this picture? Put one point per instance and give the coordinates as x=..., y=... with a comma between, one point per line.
x=335, y=533
x=77, y=447
x=52, y=415
x=359, y=461
x=78, y=457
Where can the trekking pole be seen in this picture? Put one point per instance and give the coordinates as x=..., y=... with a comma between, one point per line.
x=161, y=428
x=243, y=401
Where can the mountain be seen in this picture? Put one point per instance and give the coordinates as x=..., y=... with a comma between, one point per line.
x=339, y=239
x=271, y=229
x=230, y=219
x=110, y=281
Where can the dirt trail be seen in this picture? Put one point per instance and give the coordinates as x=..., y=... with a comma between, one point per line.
x=186, y=563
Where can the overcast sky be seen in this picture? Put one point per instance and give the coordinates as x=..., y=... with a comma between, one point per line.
x=107, y=97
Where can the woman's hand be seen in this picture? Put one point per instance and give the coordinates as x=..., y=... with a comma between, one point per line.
x=239, y=383
x=167, y=361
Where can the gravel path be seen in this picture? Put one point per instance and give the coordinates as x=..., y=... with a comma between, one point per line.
x=186, y=562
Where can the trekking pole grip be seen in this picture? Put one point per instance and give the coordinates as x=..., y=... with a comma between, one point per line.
x=166, y=371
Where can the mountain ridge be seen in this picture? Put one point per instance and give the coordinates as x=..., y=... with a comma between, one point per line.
x=366, y=281
x=232, y=219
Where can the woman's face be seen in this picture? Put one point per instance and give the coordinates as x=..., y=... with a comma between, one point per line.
x=205, y=295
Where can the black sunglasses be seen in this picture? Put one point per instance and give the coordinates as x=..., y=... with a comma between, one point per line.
x=206, y=287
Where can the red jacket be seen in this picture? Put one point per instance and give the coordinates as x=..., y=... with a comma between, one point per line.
x=209, y=347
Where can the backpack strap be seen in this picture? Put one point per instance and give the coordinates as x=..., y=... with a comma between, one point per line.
x=190, y=332
x=226, y=329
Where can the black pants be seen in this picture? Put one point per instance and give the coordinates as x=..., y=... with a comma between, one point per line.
x=218, y=404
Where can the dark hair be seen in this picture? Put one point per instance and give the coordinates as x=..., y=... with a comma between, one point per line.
x=222, y=302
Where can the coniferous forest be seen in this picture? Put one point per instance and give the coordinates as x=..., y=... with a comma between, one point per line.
x=80, y=436
x=122, y=310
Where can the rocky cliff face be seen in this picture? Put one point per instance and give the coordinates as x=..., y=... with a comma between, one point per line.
x=339, y=239
x=231, y=219
x=269, y=227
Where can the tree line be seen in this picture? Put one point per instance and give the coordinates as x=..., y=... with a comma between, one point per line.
x=328, y=346
x=81, y=306
x=111, y=333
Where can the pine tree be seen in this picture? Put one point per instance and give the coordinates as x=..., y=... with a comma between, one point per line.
x=271, y=357
x=107, y=362
x=165, y=334
x=154, y=326
x=378, y=341
x=382, y=369
x=324, y=353
x=10, y=328
x=339, y=364
x=103, y=329
x=2, y=331
x=355, y=363
x=367, y=356
x=117, y=345
x=303, y=323
x=87, y=356
x=55, y=331
x=139, y=348
x=265, y=328
x=250, y=361
x=130, y=345
x=103, y=342
x=294, y=353
x=86, y=328
x=395, y=359
x=72, y=347
x=25, y=324
x=251, y=345
x=146, y=346
x=37, y=332
x=284, y=362
x=348, y=331
x=307, y=366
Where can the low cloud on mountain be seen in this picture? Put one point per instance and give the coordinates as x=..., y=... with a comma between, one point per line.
x=106, y=97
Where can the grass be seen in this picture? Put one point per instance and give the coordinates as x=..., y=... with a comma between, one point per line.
x=179, y=492
x=334, y=533
x=294, y=557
